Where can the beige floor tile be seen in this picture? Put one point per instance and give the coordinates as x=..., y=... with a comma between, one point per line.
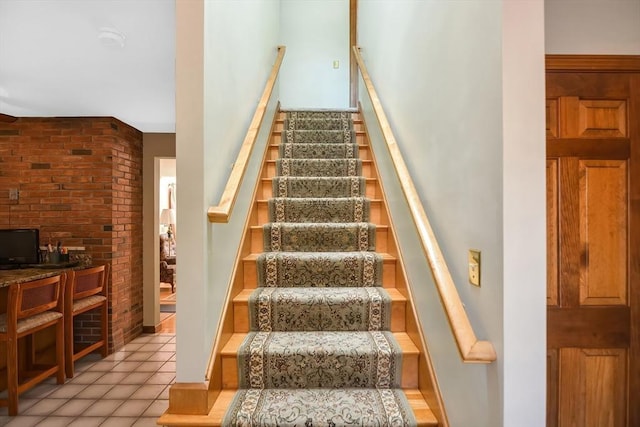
x=24, y=421
x=157, y=408
x=94, y=391
x=102, y=408
x=148, y=391
x=45, y=407
x=162, y=378
x=165, y=393
x=132, y=346
x=140, y=356
x=56, y=421
x=132, y=408
x=168, y=347
x=137, y=378
x=168, y=367
x=119, y=422
x=87, y=422
x=86, y=378
x=149, y=366
x=151, y=347
x=106, y=366
x=74, y=408
x=146, y=422
x=126, y=366
x=160, y=356
x=68, y=391
x=112, y=378
x=121, y=391
x=118, y=356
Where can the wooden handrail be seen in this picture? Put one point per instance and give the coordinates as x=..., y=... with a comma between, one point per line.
x=471, y=350
x=221, y=212
x=5, y=118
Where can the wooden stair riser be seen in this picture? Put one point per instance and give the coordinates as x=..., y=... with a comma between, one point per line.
x=265, y=191
x=410, y=356
x=251, y=274
x=257, y=239
x=241, y=311
x=377, y=214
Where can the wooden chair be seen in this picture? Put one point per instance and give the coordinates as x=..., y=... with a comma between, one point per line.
x=86, y=290
x=32, y=307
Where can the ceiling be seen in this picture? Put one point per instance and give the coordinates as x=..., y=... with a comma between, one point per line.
x=89, y=58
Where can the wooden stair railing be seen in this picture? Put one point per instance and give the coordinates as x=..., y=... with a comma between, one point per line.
x=5, y=118
x=471, y=349
x=222, y=211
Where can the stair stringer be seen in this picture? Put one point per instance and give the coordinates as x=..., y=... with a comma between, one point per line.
x=427, y=380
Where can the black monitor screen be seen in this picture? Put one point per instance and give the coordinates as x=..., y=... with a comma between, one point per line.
x=19, y=246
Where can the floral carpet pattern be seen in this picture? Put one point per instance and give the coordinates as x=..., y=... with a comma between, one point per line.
x=320, y=351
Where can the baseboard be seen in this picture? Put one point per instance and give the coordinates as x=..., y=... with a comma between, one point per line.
x=152, y=329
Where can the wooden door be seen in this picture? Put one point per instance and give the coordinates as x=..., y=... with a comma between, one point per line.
x=593, y=223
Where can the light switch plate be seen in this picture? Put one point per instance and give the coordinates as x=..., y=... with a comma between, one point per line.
x=474, y=267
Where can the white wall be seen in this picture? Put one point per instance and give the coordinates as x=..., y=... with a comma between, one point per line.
x=438, y=67
x=592, y=27
x=225, y=52
x=524, y=214
x=316, y=33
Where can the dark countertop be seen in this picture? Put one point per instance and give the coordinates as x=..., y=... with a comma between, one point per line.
x=22, y=275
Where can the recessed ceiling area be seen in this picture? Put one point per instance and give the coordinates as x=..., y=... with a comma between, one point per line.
x=89, y=58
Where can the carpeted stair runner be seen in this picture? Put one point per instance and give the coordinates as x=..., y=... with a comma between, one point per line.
x=320, y=351
x=319, y=167
x=319, y=269
x=320, y=309
x=295, y=186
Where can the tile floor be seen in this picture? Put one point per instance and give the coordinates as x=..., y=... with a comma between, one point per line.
x=128, y=388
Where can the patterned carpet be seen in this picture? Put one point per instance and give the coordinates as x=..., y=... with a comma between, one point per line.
x=319, y=352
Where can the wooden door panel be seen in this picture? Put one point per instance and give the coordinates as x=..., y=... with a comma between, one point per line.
x=569, y=237
x=589, y=118
x=552, y=387
x=552, y=118
x=592, y=387
x=603, y=232
x=602, y=118
x=552, y=232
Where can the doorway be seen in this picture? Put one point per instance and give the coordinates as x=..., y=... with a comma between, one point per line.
x=168, y=239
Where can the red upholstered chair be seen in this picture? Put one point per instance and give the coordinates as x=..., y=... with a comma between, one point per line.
x=32, y=307
x=86, y=290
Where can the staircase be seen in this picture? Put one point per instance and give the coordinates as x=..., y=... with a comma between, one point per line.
x=320, y=329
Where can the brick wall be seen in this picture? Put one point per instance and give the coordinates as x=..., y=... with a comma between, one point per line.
x=80, y=182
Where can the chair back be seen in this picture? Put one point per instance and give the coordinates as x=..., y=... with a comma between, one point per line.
x=35, y=297
x=87, y=282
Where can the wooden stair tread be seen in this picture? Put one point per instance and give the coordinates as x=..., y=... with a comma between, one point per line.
x=423, y=414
